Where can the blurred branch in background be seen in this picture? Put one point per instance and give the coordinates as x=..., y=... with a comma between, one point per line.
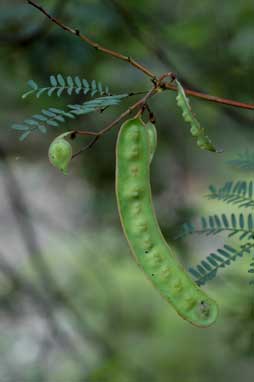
x=28, y=38
x=52, y=292
x=42, y=303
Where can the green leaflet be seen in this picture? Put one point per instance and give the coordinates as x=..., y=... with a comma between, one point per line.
x=244, y=161
x=239, y=225
x=53, y=117
x=58, y=84
x=238, y=192
x=208, y=268
x=203, y=141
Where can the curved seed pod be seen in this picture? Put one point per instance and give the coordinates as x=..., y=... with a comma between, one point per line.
x=143, y=233
x=60, y=152
x=203, y=141
x=152, y=138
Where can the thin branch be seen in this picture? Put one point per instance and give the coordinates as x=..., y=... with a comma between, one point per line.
x=158, y=51
x=52, y=289
x=97, y=135
x=42, y=304
x=138, y=104
x=135, y=64
x=87, y=147
x=133, y=107
x=94, y=44
x=212, y=98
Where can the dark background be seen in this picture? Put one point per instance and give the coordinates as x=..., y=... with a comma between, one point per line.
x=74, y=306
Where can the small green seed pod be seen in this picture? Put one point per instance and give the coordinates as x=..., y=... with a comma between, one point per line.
x=152, y=138
x=60, y=152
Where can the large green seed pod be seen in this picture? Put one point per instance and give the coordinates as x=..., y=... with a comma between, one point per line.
x=60, y=152
x=143, y=233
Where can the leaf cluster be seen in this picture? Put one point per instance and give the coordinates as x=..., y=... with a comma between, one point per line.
x=239, y=193
x=235, y=224
x=71, y=85
x=243, y=161
x=53, y=117
x=207, y=269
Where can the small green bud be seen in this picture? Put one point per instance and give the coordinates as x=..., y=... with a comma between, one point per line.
x=60, y=152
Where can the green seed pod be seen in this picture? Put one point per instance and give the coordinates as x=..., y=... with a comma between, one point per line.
x=60, y=152
x=142, y=231
x=152, y=137
x=203, y=141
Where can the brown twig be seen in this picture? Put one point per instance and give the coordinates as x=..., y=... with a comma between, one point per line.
x=136, y=65
x=94, y=44
x=212, y=98
x=152, y=118
x=155, y=47
x=42, y=304
x=133, y=107
x=87, y=147
x=97, y=135
x=158, y=83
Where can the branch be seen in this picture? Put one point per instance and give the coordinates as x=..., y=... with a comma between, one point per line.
x=87, y=147
x=97, y=135
x=158, y=51
x=95, y=45
x=135, y=64
x=42, y=304
x=52, y=289
x=212, y=98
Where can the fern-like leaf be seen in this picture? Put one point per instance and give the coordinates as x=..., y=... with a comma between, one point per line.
x=59, y=84
x=52, y=117
x=243, y=161
x=235, y=224
x=97, y=104
x=207, y=269
x=240, y=193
